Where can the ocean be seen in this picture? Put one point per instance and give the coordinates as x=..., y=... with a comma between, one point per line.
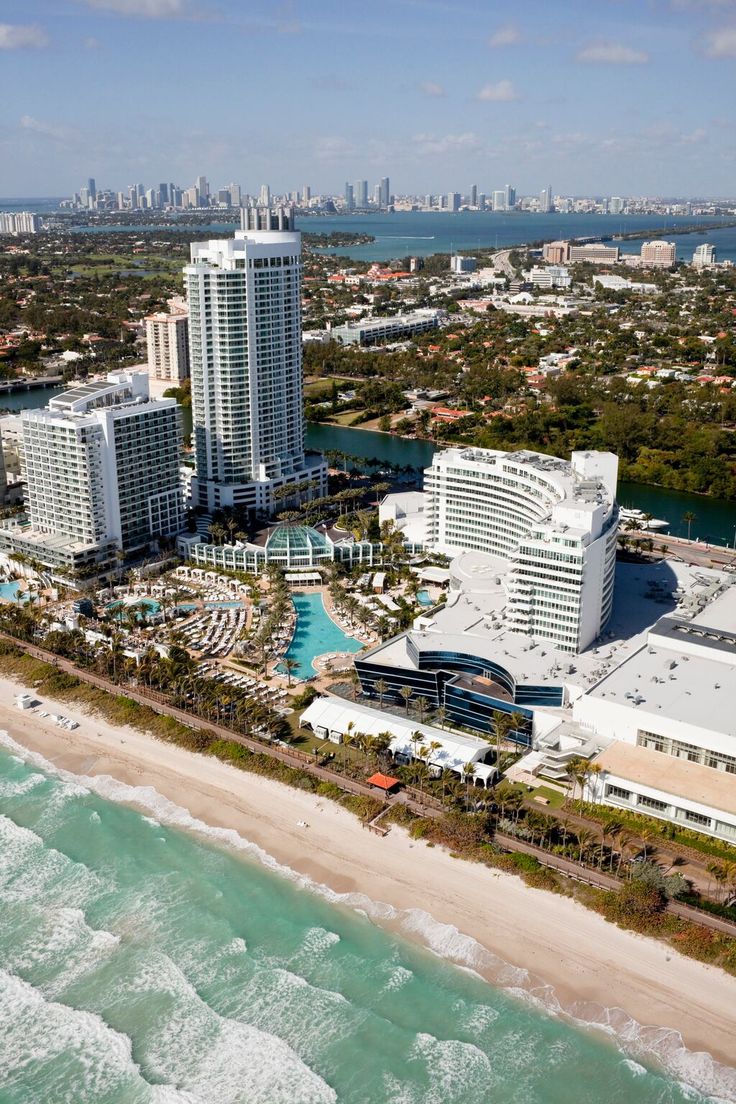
x=147, y=958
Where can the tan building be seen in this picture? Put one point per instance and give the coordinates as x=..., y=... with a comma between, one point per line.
x=658, y=254
x=167, y=341
x=556, y=252
x=595, y=253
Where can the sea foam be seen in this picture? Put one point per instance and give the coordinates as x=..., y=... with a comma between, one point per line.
x=698, y=1071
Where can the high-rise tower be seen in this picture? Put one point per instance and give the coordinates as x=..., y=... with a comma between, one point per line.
x=245, y=340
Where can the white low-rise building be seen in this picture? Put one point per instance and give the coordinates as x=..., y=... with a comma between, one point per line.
x=666, y=716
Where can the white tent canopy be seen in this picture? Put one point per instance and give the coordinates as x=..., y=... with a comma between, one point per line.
x=333, y=719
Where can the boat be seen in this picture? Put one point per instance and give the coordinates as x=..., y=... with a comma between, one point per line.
x=629, y=515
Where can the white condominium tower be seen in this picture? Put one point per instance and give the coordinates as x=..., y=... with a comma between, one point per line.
x=548, y=525
x=101, y=464
x=245, y=337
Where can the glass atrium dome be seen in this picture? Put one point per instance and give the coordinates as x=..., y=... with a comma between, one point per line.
x=298, y=546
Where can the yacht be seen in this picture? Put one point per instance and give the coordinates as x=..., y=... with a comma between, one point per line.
x=628, y=514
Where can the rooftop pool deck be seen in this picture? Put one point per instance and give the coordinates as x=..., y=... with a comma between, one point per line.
x=315, y=634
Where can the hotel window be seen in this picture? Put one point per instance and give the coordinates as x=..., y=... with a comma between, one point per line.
x=617, y=791
x=646, y=802
x=696, y=818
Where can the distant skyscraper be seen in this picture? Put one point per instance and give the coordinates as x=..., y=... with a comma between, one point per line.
x=92, y=187
x=203, y=188
x=704, y=256
x=234, y=190
x=306, y=195
x=167, y=344
x=616, y=205
x=385, y=192
x=482, y=201
x=453, y=201
x=499, y=199
x=474, y=196
x=361, y=194
x=510, y=197
x=264, y=196
x=545, y=199
x=245, y=339
x=163, y=194
x=377, y=195
x=349, y=197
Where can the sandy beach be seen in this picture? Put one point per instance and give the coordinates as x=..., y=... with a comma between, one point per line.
x=591, y=965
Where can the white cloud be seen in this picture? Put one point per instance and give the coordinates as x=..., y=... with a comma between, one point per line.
x=721, y=43
x=432, y=88
x=502, y=91
x=22, y=36
x=47, y=130
x=507, y=35
x=148, y=9
x=433, y=145
x=612, y=53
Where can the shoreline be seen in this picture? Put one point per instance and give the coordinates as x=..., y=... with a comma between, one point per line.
x=547, y=947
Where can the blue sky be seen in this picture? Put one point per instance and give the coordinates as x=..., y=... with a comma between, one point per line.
x=623, y=97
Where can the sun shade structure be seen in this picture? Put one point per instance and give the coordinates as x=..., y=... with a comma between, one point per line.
x=383, y=781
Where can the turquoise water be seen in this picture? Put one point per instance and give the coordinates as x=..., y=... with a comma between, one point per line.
x=142, y=963
x=424, y=599
x=148, y=604
x=10, y=590
x=315, y=634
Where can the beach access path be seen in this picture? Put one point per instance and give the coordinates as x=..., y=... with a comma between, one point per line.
x=591, y=965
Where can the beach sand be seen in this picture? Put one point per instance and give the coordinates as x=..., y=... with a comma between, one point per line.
x=591, y=965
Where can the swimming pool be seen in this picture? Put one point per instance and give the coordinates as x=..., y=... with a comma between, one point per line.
x=223, y=605
x=10, y=591
x=315, y=634
x=146, y=607
x=424, y=599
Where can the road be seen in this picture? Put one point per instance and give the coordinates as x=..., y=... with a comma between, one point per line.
x=691, y=552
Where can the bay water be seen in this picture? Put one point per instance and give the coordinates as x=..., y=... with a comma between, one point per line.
x=147, y=958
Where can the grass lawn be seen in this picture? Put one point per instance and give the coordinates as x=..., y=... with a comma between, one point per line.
x=347, y=418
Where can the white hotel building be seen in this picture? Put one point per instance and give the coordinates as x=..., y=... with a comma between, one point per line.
x=245, y=336
x=551, y=525
x=101, y=465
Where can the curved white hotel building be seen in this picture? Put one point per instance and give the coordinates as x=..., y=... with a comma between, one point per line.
x=244, y=296
x=549, y=524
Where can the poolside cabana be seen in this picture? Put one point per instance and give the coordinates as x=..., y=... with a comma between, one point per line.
x=303, y=578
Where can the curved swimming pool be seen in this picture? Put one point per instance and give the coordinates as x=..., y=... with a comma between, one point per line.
x=314, y=634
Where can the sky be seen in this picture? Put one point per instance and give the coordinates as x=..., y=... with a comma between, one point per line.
x=606, y=97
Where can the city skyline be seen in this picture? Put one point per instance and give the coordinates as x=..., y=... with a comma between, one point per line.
x=592, y=101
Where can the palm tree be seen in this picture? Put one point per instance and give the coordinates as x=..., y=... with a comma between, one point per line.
x=406, y=693
x=535, y=824
x=381, y=688
x=689, y=517
x=440, y=715
x=468, y=776
x=422, y=705
x=290, y=665
x=585, y=838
